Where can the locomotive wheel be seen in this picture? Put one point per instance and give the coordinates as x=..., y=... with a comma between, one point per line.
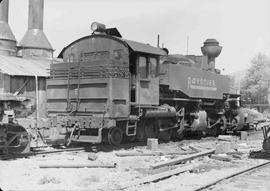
x=151, y=129
x=115, y=136
x=165, y=135
x=17, y=139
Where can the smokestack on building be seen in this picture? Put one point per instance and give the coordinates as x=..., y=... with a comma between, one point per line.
x=35, y=42
x=7, y=38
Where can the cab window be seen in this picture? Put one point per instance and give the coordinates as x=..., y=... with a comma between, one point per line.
x=143, y=67
x=153, y=66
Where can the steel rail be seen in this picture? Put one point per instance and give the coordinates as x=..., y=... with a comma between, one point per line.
x=34, y=153
x=240, y=172
x=89, y=148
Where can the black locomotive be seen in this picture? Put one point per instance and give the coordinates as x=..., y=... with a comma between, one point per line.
x=110, y=89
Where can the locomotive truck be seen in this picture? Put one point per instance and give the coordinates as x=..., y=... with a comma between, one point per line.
x=109, y=89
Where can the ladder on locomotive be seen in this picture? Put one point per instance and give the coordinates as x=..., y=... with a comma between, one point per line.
x=70, y=76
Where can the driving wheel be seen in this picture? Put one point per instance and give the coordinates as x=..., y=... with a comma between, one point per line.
x=115, y=136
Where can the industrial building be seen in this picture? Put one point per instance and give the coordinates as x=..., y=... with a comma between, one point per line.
x=24, y=66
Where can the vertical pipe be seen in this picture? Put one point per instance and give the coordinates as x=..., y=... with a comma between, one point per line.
x=37, y=101
x=4, y=10
x=158, y=40
x=35, y=19
x=187, y=44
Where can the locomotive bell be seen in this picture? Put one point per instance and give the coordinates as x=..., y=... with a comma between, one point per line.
x=211, y=49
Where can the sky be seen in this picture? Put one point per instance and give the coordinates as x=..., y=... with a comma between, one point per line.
x=242, y=27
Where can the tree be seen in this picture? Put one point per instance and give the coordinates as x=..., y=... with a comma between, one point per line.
x=254, y=87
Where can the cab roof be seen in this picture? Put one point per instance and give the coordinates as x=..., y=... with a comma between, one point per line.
x=133, y=45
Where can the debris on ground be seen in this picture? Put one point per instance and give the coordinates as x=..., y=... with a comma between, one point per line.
x=47, y=180
x=136, y=163
x=92, y=156
x=222, y=157
x=223, y=147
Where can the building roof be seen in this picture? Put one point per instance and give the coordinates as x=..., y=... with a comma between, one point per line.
x=35, y=38
x=145, y=48
x=16, y=66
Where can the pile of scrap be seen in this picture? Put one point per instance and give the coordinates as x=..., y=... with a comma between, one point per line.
x=225, y=151
x=153, y=150
x=173, y=164
x=261, y=154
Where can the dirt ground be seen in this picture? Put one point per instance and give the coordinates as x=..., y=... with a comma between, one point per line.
x=26, y=174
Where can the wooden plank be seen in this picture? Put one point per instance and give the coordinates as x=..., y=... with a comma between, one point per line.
x=77, y=165
x=195, y=149
x=225, y=138
x=182, y=159
x=222, y=158
x=128, y=154
x=158, y=176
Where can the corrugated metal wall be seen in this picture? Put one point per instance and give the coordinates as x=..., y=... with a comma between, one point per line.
x=26, y=87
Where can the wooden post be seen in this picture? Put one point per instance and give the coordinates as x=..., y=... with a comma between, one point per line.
x=152, y=144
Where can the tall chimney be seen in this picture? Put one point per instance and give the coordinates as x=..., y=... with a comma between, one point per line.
x=7, y=38
x=35, y=42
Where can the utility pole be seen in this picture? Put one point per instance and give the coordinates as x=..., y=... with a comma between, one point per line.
x=187, y=44
x=158, y=40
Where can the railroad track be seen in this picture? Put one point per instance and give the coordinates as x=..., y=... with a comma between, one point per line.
x=253, y=178
x=87, y=148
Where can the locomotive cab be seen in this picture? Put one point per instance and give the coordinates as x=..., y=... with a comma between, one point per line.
x=144, y=69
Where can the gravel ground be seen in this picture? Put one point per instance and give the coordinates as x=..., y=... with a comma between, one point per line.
x=25, y=174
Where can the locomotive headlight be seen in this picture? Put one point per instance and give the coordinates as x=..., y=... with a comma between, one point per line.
x=98, y=27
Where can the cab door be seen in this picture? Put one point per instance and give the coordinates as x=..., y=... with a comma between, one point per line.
x=147, y=87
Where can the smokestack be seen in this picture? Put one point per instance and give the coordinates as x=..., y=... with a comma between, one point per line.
x=7, y=38
x=35, y=42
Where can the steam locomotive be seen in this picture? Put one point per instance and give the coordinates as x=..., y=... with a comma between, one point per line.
x=109, y=89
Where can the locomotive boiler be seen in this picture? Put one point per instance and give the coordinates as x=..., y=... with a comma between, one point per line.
x=109, y=89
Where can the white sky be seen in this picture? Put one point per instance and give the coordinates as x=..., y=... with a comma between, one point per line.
x=241, y=26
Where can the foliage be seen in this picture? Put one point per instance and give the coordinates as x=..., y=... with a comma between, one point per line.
x=254, y=87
